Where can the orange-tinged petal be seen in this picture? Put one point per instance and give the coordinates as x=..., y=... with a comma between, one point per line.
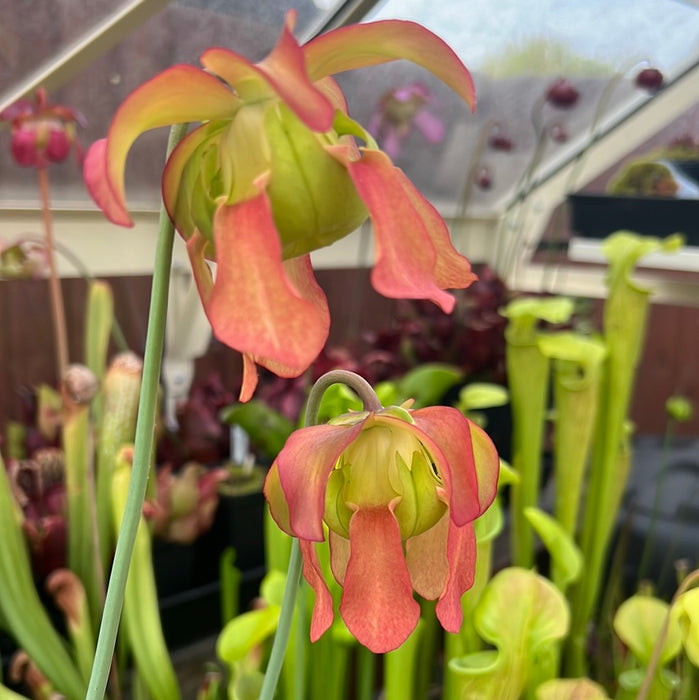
x=304, y=465
x=406, y=246
x=179, y=94
x=426, y=558
x=372, y=43
x=97, y=183
x=470, y=485
x=284, y=70
x=452, y=270
x=323, y=612
x=377, y=599
x=461, y=554
x=255, y=305
x=250, y=378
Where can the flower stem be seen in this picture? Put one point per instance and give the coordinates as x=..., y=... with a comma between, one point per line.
x=143, y=448
x=57, y=309
x=281, y=638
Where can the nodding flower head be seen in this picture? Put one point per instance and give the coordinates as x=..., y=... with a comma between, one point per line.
x=395, y=492
x=275, y=171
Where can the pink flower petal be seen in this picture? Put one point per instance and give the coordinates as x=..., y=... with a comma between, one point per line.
x=461, y=553
x=414, y=255
x=431, y=127
x=304, y=465
x=323, y=613
x=470, y=484
x=372, y=43
x=426, y=558
x=179, y=94
x=273, y=311
x=284, y=70
x=377, y=601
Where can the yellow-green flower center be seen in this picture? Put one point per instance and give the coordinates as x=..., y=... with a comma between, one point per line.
x=385, y=464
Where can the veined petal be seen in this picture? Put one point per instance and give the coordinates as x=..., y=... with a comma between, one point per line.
x=377, y=599
x=304, y=464
x=470, y=479
x=372, y=43
x=461, y=554
x=323, y=613
x=408, y=232
x=272, y=311
x=284, y=71
x=179, y=94
x=426, y=558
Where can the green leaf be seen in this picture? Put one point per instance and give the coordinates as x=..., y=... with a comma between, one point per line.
x=686, y=612
x=566, y=557
x=638, y=623
x=480, y=395
x=524, y=616
x=272, y=587
x=428, y=383
x=243, y=633
x=268, y=429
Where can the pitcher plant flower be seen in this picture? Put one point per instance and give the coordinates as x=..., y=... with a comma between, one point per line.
x=272, y=173
x=396, y=491
x=42, y=132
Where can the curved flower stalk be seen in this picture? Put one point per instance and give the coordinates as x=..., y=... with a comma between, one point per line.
x=395, y=492
x=272, y=173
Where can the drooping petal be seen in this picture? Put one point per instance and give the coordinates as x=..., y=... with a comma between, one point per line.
x=304, y=465
x=452, y=270
x=470, y=476
x=179, y=94
x=372, y=43
x=377, y=600
x=284, y=71
x=426, y=558
x=250, y=378
x=323, y=613
x=413, y=249
x=461, y=554
x=272, y=311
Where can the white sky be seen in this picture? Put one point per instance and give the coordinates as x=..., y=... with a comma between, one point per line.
x=611, y=31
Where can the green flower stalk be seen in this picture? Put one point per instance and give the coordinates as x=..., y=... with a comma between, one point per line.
x=528, y=380
x=625, y=316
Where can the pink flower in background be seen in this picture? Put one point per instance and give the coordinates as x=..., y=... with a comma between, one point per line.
x=42, y=132
x=401, y=109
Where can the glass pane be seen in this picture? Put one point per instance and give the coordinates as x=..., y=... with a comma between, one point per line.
x=177, y=34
